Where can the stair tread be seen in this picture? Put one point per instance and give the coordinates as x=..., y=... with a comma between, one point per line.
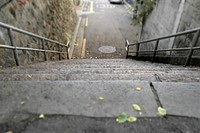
x=106, y=69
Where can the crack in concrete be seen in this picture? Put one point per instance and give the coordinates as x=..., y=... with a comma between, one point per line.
x=157, y=78
x=155, y=95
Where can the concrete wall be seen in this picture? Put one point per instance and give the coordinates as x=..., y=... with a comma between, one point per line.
x=171, y=16
x=190, y=19
x=55, y=19
x=160, y=22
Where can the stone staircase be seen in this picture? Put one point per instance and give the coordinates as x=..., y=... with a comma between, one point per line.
x=71, y=89
x=101, y=69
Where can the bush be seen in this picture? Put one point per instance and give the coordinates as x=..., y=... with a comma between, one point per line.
x=142, y=8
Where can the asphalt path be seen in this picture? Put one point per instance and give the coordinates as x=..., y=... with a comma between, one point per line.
x=107, y=25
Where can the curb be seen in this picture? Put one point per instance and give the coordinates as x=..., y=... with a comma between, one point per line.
x=71, y=49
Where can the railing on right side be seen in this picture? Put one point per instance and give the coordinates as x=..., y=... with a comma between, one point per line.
x=15, y=49
x=193, y=45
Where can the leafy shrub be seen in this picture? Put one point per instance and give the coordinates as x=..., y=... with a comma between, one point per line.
x=142, y=8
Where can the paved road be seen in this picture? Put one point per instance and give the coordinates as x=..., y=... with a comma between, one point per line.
x=106, y=25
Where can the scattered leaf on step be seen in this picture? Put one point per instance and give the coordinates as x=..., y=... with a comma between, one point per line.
x=1, y=66
x=41, y=116
x=101, y=98
x=136, y=107
x=13, y=66
x=22, y=102
x=161, y=112
x=132, y=119
x=138, y=88
x=9, y=132
x=30, y=76
x=122, y=118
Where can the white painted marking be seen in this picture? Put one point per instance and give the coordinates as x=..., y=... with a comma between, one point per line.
x=101, y=1
x=105, y=6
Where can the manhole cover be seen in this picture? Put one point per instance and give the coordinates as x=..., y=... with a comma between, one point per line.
x=107, y=49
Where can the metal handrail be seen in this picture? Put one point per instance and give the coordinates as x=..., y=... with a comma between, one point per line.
x=191, y=48
x=43, y=39
x=168, y=36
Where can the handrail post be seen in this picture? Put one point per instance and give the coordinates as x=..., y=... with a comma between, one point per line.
x=67, y=47
x=43, y=47
x=154, y=52
x=59, y=50
x=127, y=48
x=193, y=44
x=14, y=45
x=137, y=49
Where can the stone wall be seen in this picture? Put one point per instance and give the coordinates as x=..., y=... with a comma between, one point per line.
x=171, y=16
x=54, y=19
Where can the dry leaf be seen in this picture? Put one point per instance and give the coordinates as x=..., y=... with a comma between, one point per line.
x=136, y=107
x=41, y=116
x=101, y=98
x=138, y=88
x=30, y=76
x=9, y=132
x=22, y=102
x=132, y=119
x=161, y=112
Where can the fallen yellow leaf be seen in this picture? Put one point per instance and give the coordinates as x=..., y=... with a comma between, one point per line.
x=101, y=98
x=136, y=107
x=14, y=67
x=22, y=102
x=1, y=66
x=30, y=76
x=161, y=112
x=41, y=116
x=9, y=132
x=138, y=88
x=132, y=119
x=140, y=113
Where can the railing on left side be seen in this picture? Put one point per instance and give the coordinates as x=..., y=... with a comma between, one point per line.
x=191, y=48
x=13, y=46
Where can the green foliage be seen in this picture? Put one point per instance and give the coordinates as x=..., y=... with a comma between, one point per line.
x=142, y=8
x=122, y=118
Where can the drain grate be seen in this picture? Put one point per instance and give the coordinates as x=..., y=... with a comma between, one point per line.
x=107, y=49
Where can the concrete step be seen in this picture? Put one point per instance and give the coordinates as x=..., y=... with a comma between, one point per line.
x=106, y=69
x=110, y=62
x=89, y=70
x=82, y=98
x=142, y=75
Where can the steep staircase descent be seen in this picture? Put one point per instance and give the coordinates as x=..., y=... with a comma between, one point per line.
x=102, y=69
x=64, y=89
x=73, y=87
